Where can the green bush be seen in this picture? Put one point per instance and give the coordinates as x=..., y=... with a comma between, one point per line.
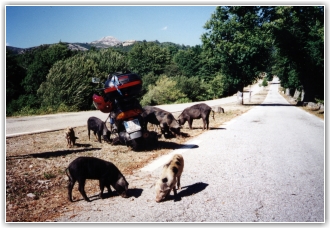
x=164, y=92
x=264, y=82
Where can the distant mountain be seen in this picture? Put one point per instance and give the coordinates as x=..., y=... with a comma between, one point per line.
x=110, y=41
x=105, y=42
x=16, y=50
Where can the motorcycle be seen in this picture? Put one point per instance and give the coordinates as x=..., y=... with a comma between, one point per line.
x=119, y=99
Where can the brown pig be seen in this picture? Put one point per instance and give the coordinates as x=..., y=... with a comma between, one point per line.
x=170, y=177
x=196, y=111
x=70, y=137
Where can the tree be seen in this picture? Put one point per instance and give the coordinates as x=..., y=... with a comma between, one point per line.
x=299, y=40
x=148, y=79
x=217, y=87
x=148, y=57
x=43, y=60
x=69, y=83
x=110, y=61
x=14, y=75
x=237, y=44
x=193, y=87
x=189, y=60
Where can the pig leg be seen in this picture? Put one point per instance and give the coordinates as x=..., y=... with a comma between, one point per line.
x=174, y=191
x=178, y=182
x=162, y=129
x=70, y=142
x=109, y=188
x=70, y=187
x=207, y=117
x=95, y=135
x=99, y=137
x=204, y=123
x=101, y=188
x=82, y=189
x=190, y=121
x=74, y=140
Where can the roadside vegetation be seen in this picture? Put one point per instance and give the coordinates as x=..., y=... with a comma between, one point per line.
x=241, y=44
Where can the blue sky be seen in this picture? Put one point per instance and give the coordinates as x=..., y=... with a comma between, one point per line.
x=29, y=26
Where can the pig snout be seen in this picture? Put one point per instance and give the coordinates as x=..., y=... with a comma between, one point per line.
x=124, y=195
x=162, y=190
x=160, y=196
x=122, y=187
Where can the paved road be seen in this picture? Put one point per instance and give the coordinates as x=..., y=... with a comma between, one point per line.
x=27, y=125
x=264, y=166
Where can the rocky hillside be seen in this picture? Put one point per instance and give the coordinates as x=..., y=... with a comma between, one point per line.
x=110, y=41
x=105, y=42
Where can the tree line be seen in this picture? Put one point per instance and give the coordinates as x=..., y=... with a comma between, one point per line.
x=240, y=45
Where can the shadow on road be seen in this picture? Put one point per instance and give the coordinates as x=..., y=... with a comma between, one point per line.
x=218, y=128
x=173, y=145
x=188, y=191
x=136, y=193
x=50, y=154
x=210, y=128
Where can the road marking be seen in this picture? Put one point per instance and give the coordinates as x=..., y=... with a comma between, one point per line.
x=28, y=132
x=163, y=159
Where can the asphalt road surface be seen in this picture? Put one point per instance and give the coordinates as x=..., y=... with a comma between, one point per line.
x=266, y=165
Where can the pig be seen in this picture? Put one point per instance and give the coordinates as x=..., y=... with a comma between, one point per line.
x=70, y=137
x=169, y=177
x=169, y=126
x=99, y=128
x=196, y=111
x=107, y=173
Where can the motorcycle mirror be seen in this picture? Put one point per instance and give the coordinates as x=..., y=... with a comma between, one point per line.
x=95, y=80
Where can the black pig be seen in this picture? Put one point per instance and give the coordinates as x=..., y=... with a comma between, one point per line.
x=196, y=111
x=99, y=128
x=107, y=173
x=168, y=124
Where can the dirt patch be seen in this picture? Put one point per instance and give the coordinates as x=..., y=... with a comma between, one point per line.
x=36, y=184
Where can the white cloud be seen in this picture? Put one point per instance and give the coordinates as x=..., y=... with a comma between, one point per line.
x=165, y=28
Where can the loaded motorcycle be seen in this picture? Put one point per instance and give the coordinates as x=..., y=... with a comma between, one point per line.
x=119, y=99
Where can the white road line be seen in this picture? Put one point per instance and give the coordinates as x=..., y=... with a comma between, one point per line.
x=165, y=158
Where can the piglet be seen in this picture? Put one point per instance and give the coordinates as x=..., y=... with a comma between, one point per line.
x=169, y=177
x=107, y=173
x=70, y=137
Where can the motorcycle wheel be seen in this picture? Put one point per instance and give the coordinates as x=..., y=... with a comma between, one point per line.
x=137, y=144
